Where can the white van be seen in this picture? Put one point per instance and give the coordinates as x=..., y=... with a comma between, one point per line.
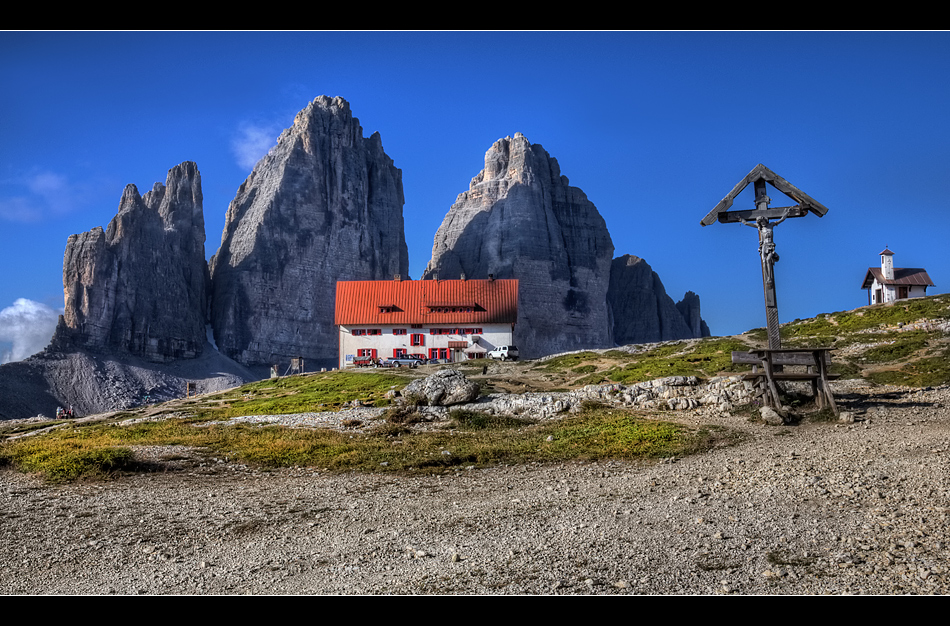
x=504, y=353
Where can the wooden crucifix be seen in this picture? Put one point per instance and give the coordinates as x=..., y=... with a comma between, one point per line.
x=764, y=219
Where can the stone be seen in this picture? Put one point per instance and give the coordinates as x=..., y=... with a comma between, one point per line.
x=324, y=205
x=771, y=416
x=521, y=219
x=641, y=310
x=141, y=286
x=444, y=388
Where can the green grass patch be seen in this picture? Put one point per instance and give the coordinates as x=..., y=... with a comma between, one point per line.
x=926, y=372
x=820, y=327
x=472, y=440
x=828, y=327
x=65, y=458
x=325, y=391
x=597, y=378
x=477, y=420
x=705, y=358
x=900, y=348
x=569, y=361
x=758, y=334
x=845, y=369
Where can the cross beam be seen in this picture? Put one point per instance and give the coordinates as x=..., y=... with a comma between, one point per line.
x=764, y=219
x=727, y=217
x=764, y=174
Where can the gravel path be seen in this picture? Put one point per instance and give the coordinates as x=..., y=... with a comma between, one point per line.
x=808, y=509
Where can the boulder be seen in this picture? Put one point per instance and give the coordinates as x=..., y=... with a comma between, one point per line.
x=444, y=388
x=771, y=416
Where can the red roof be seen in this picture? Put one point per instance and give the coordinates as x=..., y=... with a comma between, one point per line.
x=902, y=276
x=427, y=302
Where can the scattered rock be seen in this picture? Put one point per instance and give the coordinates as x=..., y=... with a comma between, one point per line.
x=444, y=388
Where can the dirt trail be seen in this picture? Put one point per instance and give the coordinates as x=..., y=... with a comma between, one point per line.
x=814, y=508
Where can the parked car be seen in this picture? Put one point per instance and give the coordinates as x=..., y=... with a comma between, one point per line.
x=504, y=353
x=364, y=361
x=422, y=358
x=403, y=362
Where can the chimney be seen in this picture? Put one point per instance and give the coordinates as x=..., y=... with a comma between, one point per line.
x=397, y=277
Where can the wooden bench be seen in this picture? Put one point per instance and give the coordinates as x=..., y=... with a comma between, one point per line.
x=768, y=367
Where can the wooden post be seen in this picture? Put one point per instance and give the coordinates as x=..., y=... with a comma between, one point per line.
x=768, y=257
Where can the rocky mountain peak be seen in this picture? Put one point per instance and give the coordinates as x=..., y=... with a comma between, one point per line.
x=521, y=219
x=641, y=309
x=325, y=204
x=140, y=286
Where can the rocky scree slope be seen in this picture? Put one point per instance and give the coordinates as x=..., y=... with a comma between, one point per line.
x=136, y=297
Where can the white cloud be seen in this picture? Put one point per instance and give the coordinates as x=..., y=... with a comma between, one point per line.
x=21, y=209
x=28, y=326
x=253, y=142
x=41, y=194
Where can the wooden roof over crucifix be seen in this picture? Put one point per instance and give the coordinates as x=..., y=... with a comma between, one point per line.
x=805, y=202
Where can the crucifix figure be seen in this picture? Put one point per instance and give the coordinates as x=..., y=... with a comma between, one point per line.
x=761, y=218
x=767, y=249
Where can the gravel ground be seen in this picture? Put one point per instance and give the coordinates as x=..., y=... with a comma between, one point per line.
x=858, y=508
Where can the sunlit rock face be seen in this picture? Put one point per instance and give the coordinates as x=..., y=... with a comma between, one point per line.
x=140, y=286
x=520, y=218
x=324, y=205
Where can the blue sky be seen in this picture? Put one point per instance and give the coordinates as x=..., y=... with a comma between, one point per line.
x=655, y=127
